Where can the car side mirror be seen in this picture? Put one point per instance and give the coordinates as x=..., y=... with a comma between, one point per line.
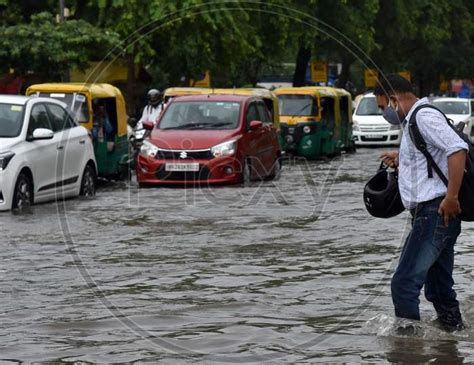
x=41, y=133
x=148, y=126
x=255, y=124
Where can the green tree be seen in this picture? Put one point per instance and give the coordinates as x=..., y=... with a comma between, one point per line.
x=49, y=49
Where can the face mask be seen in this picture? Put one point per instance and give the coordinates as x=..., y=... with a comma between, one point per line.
x=390, y=114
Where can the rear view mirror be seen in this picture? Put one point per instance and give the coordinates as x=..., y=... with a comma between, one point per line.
x=148, y=126
x=255, y=124
x=42, y=133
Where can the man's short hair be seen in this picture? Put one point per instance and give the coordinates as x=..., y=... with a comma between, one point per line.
x=393, y=84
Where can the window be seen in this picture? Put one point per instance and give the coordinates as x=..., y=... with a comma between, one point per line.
x=264, y=114
x=60, y=119
x=452, y=107
x=38, y=119
x=11, y=120
x=298, y=105
x=472, y=107
x=368, y=106
x=201, y=115
x=327, y=112
x=251, y=115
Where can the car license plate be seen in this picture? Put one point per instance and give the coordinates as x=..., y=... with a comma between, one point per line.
x=291, y=130
x=183, y=167
x=373, y=136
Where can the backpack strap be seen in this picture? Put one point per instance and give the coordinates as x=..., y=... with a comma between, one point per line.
x=420, y=143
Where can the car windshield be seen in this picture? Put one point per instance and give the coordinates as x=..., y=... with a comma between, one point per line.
x=297, y=105
x=11, y=120
x=76, y=102
x=368, y=106
x=201, y=115
x=452, y=107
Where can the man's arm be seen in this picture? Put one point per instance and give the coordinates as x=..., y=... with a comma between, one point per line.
x=450, y=207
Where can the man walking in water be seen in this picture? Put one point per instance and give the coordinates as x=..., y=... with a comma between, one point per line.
x=427, y=258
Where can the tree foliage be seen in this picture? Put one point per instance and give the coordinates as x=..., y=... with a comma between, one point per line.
x=237, y=39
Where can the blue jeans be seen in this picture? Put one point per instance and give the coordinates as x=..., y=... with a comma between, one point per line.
x=427, y=259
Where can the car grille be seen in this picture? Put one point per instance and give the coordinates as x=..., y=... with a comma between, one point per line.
x=184, y=155
x=374, y=128
x=202, y=174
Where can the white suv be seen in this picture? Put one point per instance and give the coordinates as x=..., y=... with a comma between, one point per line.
x=369, y=126
x=44, y=154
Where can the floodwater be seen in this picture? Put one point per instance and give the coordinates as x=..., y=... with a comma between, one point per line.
x=287, y=271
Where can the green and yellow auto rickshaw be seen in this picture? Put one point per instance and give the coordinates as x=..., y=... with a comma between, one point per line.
x=90, y=103
x=316, y=121
x=268, y=97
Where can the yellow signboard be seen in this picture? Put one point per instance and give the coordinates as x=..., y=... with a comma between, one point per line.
x=371, y=76
x=204, y=82
x=319, y=71
x=405, y=74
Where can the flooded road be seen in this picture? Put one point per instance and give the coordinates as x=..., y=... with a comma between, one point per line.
x=291, y=270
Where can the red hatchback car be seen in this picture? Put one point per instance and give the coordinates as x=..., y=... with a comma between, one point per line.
x=210, y=139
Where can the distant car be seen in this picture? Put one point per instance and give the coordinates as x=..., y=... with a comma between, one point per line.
x=369, y=126
x=44, y=153
x=212, y=139
x=459, y=110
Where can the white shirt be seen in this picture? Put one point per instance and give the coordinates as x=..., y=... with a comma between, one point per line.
x=150, y=114
x=413, y=181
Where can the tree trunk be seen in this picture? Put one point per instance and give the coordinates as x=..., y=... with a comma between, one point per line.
x=302, y=59
x=345, y=75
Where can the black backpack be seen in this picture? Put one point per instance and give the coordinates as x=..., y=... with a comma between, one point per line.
x=466, y=193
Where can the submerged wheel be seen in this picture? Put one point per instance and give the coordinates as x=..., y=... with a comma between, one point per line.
x=23, y=194
x=276, y=169
x=246, y=173
x=88, y=183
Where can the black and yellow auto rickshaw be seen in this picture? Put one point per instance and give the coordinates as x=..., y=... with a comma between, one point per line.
x=316, y=121
x=92, y=104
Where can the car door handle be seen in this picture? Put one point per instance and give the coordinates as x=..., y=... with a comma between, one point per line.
x=60, y=147
x=82, y=142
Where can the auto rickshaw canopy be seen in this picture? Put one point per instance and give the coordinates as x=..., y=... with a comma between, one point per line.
x=90, y=91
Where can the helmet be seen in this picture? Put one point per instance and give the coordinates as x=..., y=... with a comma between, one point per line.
x=381, y=195
x=154, y=96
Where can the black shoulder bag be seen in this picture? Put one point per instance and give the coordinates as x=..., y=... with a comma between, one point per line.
x=466, y=193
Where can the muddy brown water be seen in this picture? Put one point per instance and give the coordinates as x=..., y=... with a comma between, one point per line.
x=287, y=271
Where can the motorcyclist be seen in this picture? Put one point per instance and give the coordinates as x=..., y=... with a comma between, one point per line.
x=152, y=110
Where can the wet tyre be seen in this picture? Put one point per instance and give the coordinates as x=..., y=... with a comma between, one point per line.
x=246, y=173
x=23, y=193
x=88, y=183
x=276, y=169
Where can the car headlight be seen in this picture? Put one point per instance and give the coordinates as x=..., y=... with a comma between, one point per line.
x=148, y=149
x=355, y=126
x=224, y=149
x=395, y=127
x=307, y=129
x=5, y=158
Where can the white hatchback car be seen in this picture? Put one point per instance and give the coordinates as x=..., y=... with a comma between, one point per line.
x=44, y=154
x=369, y=126
x=458, y=110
